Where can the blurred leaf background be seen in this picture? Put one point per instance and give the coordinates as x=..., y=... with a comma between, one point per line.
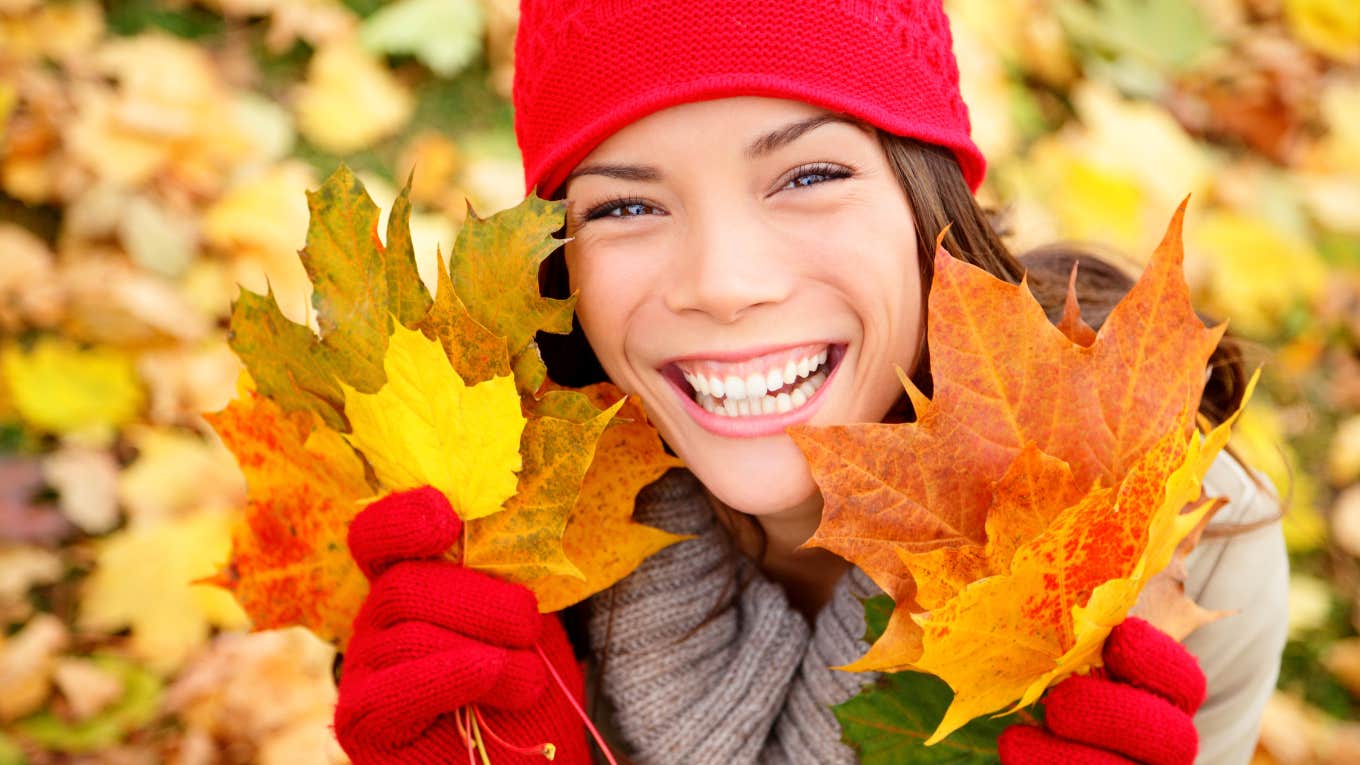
x=154, y=155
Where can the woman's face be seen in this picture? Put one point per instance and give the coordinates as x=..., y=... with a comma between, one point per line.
x=746, y=264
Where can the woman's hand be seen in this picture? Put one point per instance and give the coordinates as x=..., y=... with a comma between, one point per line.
x=435, y=640
x=1141, y=713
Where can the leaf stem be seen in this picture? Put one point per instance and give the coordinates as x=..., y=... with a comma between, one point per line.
x=547, y=749
x=604, y=748
x=477, y=733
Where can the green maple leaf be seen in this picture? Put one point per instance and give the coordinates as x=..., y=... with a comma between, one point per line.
x=890, y=720
x=358, y=285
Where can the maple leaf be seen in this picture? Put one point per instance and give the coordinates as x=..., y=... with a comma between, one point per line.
x=1015, y=521
x=61, y=387
x=358, y=286
x=168, y=616
x=501, y=291
x=289, y=561
x=476, y=353
x=525, y=542
x=426, y=427
x=601, y=538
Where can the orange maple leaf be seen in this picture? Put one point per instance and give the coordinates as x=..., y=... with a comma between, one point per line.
x=1029, y=482
x=289, y=560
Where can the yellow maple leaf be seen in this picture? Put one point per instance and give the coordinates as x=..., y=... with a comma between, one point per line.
x=426, y=427
x=350, y=100
x=58, y=386
x=143, y=580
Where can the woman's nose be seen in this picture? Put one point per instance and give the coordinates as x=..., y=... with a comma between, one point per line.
x=729, y=263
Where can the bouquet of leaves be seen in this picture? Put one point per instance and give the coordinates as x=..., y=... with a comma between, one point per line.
x=397, y=391
x=1052, y=475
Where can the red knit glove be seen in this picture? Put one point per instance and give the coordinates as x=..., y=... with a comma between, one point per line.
x=434, y=637
x=1140, y=713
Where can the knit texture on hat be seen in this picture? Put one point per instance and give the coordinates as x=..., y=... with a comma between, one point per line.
x=586, y=68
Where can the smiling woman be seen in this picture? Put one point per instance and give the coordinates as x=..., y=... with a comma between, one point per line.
x=754, y=197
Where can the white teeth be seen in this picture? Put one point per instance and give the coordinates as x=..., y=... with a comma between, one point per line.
x=763, y=404
x=735, y=387
x=755, y=386
x=754, y=394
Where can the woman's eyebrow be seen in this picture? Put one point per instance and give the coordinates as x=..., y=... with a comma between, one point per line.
x=780, y=137
x=621, y=172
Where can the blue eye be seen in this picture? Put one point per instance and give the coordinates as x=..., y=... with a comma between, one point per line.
x=621, y=208
x=811, y=175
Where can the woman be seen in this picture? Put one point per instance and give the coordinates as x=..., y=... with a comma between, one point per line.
x=754, y=189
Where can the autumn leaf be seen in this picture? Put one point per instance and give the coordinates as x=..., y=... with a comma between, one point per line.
x=1043, y=484
x=494, y=268
x=601, y=537
x=358, y=286
x=426, y=427
x=524, y=542
x=60, y=387
x=476, y=353
x=601, y=541
x=349, y=100
x=143, y=581
x=289, y=561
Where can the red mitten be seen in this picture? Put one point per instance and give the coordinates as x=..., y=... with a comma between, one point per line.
x=1141, y=713
x=434, y=637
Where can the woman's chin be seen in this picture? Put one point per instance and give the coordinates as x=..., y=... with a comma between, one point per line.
x=766, y=493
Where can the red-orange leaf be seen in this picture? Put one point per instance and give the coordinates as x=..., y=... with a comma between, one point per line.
x=289, y=563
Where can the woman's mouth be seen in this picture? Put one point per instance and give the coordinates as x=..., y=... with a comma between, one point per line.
x=771, y=386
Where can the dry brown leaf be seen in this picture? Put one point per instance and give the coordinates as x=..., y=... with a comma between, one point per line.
x=22, y=568
x=29, y=296
x=218, y=694
x=1163, y=601
x=185, y=381
x=21, y=519
x=87, y=688
x=350, y=100
x=86, y=482
x=27, y=659
x=110, y=301
x=1346, y=521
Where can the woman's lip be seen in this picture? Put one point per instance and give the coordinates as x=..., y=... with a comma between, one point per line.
x=745, y=354
x=754, y=426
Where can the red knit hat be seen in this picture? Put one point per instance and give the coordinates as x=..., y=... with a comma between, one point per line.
x=586, y=68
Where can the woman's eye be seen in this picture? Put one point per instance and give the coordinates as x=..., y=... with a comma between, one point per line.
x=621, y=208
x=815, y=174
